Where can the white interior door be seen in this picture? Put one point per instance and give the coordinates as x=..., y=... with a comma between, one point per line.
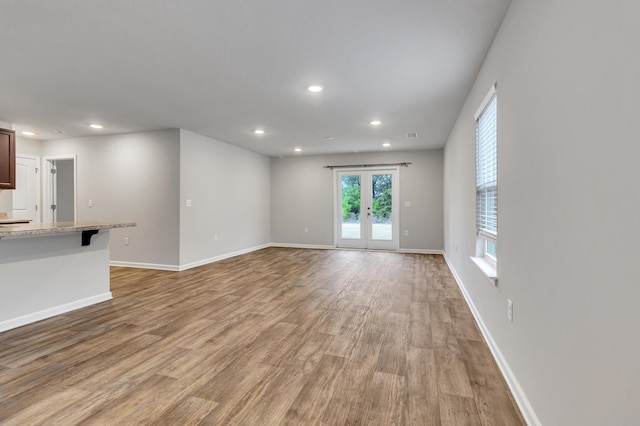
x=26, y=196
x=59, y=177
x=367, y=213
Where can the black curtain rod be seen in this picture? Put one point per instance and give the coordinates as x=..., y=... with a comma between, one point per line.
x=353, y=166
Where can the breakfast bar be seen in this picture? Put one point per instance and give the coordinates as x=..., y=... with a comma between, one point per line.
x=49, y=269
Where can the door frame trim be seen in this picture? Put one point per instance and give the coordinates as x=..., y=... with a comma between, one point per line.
x=46, y=184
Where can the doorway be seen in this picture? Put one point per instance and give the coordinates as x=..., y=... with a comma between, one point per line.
x=26, y=196
x=60, y=189
x=367, y=214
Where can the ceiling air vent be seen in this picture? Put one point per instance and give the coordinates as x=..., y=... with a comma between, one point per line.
x=412, y=135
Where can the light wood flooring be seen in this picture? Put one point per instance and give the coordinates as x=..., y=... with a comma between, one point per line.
x=277, y=336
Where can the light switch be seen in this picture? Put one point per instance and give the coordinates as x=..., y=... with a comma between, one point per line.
x=407, y=203
x=188, y=203
x=90, y=203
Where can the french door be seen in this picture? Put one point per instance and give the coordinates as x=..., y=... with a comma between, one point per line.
x=367, y=209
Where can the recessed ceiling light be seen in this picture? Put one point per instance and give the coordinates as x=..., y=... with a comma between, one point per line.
x=315, y=88
x=297, y=149
x=258, y=132
x=376, y=122
x=96, y=126
x=27, y=133
x=386, y=144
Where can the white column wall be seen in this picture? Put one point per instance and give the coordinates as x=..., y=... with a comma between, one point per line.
x=230, y=193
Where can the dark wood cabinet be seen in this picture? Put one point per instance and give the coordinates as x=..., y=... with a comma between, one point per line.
x=7, y=159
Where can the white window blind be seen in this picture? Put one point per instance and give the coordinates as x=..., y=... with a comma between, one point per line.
x=487, y=169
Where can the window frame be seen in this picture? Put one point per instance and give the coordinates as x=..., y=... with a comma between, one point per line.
x=487, y=254
x=485, y=260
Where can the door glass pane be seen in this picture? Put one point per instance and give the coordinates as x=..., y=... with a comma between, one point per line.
x=351, y=207
x=381, y=187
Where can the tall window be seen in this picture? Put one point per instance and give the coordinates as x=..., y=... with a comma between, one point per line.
x=487, y=174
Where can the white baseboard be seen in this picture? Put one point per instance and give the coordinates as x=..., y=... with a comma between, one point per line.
x=157, y=266
x=421, y=251
x=221, y=257
x=176, y=268
x=51, y=312
x=324, y=247
x=302, y=246
x=518, y=393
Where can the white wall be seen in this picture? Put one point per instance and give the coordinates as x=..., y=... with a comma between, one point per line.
x=568, y=93
x=130, y=178
x=302, y=197
x=6, y=202
x=230, y=193
x=28, y=146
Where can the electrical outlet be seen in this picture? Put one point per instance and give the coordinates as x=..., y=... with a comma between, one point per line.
x=90, y=203
x=306, y=229
x=510, y=310
x=406, y=232
x=215, y=237
x=188, y=203
x=126, y=241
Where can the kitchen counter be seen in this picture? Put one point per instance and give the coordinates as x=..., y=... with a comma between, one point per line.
x=23, y=229
x=13, y=221
x=49, y=269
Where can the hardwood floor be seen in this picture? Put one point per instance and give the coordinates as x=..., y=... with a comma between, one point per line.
x=277, y=336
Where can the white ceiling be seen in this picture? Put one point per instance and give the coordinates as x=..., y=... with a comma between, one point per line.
x=222, y=68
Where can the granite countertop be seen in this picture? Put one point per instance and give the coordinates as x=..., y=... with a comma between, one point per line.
x=20, y=230
x=4, y=219
x=13, y=221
